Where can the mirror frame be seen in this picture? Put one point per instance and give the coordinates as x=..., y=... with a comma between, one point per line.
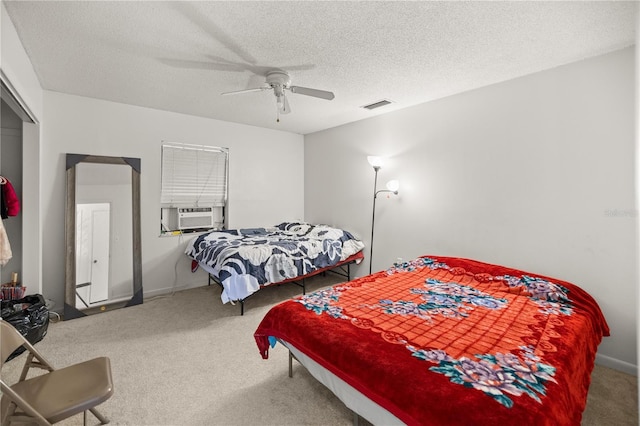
x=70, y=310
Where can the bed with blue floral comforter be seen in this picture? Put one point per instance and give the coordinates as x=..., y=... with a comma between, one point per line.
x=244, y=260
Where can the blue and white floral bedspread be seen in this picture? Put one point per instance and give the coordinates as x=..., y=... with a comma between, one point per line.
x=242, y=260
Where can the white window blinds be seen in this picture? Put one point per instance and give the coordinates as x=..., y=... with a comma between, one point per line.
x=194, y=175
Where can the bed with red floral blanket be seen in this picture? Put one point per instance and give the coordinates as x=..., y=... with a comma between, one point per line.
x=450, y=341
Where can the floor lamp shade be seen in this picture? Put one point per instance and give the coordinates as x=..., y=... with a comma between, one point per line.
x=375, y=161
x=393, y=186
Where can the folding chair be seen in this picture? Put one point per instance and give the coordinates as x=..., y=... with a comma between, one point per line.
x=56, y=394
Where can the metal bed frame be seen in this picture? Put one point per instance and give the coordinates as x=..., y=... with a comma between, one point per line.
x=343, y=269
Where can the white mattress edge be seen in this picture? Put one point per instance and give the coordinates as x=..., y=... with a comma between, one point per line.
x=352, y=398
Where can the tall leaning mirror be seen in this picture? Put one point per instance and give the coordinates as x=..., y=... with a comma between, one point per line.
x=103, y=266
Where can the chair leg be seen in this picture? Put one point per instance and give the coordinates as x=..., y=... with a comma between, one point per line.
x=7, y=416
x=290, y=364
x=103, y=419
x=21, y=417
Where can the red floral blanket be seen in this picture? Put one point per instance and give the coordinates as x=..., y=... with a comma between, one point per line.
x=449, y=341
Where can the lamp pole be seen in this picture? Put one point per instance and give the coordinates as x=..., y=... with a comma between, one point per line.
x=373, y=216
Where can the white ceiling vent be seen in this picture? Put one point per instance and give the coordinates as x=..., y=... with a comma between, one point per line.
x=378, y=104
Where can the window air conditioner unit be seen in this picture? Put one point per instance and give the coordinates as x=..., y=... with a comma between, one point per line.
x=195, y=217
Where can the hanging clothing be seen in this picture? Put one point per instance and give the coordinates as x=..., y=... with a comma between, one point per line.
x=5, y=247
x=9, y=203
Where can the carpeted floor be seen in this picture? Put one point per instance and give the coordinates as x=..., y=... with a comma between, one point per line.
x=187, y=359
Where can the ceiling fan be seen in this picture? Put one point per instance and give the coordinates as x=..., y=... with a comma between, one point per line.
x=279, y=81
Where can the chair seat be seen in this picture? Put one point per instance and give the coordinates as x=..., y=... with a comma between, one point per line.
x=68, y=391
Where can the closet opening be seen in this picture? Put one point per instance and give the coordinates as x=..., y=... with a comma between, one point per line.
x=18, y=126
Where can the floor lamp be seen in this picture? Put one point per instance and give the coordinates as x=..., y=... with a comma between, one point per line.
x=392, y=186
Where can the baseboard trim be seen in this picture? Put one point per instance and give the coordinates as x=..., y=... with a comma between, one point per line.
x=149, y=294
x=616, y=364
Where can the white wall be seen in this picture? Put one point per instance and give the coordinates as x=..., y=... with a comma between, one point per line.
x=265, y=170
x=535, y=173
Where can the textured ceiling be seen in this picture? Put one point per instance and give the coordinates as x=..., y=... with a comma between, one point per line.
x=180, y=56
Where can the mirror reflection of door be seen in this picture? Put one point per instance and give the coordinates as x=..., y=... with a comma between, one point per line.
x=92, y=254
x=103, y=251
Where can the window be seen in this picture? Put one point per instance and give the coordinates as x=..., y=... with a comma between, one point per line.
x=194, y=187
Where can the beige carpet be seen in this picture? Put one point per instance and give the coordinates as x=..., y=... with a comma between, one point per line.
x=187, y=359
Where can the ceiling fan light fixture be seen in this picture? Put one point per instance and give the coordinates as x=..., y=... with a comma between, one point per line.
x=278, y=78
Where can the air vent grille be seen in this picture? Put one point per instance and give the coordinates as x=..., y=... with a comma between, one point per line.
x=378, y=104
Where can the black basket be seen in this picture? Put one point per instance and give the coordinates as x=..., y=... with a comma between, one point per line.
x=29, y=315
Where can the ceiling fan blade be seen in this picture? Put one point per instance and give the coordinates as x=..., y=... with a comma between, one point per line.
x=200, y=65
x=323, y=94
x=255, y=89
